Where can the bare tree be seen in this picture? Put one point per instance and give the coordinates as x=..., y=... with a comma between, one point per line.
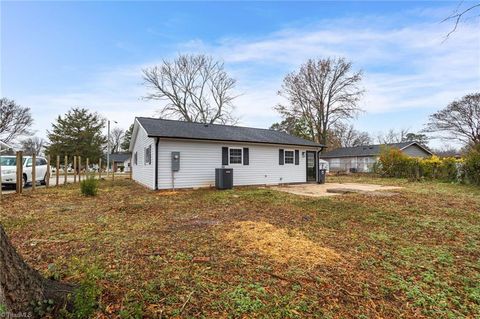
x=461, y=13
x=33, y=145
x=459, y=121
x=15, y=120
x=343, y=135
x=322, y=92
x=196, y=88
x=392, y=136
x=116, y=139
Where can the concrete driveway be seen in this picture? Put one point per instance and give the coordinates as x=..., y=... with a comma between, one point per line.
x=334, y=189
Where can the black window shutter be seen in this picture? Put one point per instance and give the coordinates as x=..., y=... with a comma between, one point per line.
x=297, y=157
x=280, y=157
x=224, y=155
x=246, y=156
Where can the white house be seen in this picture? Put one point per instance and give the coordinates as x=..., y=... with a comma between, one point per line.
x=257, y=156
x=362, y=158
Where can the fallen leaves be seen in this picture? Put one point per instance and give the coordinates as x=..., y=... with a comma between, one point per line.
x=284, y=246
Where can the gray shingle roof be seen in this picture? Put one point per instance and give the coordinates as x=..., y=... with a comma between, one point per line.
x=120, y=157
x=217, y=132
x=366, y=150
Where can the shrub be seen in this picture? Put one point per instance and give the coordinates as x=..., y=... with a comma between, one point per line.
x=394, y=163
x=89, y=186
x=471, y=165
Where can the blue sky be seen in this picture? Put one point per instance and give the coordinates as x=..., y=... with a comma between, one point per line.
x=57, y=55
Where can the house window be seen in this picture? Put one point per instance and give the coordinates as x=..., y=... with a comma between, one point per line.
x=235, y=155
x=135, y=159
x=148, y=155
x=289, y=157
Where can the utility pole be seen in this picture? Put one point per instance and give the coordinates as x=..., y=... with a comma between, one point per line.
x=108, y=145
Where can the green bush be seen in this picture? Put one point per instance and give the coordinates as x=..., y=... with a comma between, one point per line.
x=471, y=166
x=394, y=163
x=89, y=186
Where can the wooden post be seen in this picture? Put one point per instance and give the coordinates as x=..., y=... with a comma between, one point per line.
x=86, y=168
x=47, y=177
x=100, y=168
x=113, y=172
x=74, y=169
x=34, y=171
x=57, y=171
x=19, y=184
x=79, y=169
x=65, y=173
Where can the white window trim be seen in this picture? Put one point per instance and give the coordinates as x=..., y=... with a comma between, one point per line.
x=284, y=157
x=241, y=155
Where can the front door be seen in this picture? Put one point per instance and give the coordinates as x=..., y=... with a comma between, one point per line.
x=311, y=166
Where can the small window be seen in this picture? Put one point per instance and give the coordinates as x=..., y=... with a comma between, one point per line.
x=235, y=156
x=289, y=157
x=135, y=159
x=148, y=155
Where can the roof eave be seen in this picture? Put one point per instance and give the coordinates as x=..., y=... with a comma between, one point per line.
x=237, y=141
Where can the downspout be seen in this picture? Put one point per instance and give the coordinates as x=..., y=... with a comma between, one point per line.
x=156, y=162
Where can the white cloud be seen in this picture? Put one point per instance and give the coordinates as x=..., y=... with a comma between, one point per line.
x=406, y=67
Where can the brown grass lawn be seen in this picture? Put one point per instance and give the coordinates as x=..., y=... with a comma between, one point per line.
x=256, y=252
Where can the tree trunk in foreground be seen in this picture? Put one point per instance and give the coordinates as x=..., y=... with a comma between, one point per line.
x=20, y=284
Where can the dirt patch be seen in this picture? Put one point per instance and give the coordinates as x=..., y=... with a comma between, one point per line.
x=279, y=244
x=319, y=190
x=356, y=191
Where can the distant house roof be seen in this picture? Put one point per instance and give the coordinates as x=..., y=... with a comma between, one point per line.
x=217, y=132
x=368, y=150
x=120, y=157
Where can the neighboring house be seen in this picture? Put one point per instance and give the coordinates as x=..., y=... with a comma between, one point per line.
x=257, y=156
x=121, y=161
x=362, y=158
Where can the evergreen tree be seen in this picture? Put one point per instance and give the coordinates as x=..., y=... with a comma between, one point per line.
x=126, y=138
x=78, y=132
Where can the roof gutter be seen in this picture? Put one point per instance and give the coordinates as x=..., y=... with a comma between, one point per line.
x=236, y=141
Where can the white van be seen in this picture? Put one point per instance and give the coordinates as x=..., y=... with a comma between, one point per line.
x=8, y=166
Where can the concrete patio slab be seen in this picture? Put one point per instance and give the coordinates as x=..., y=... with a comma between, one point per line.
x=320, y=190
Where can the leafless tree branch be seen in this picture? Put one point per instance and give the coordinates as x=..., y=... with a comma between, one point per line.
x=15, y=120
x=196, y=88
x=460, y=120
x=457, y=17
x=322, y=93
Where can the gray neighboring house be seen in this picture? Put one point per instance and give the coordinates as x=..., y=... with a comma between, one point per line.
x=121, y=161
x=362, y=158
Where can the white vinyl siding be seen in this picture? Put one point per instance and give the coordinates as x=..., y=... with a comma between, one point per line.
x=198, y=160
x=141, y=172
